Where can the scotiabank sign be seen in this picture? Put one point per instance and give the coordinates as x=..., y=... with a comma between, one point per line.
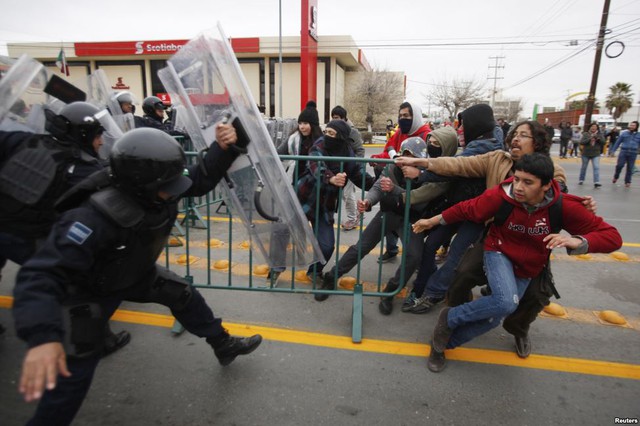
x=155, y=47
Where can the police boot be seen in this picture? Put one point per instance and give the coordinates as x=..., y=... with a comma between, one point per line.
x=114, y=341
x=386, y=303
x=227, y=347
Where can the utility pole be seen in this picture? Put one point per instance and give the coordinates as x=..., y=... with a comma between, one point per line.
x=495, y=78
x=596, y=65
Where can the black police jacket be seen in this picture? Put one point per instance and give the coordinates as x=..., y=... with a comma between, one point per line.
x=33, y=221
x=89, y=252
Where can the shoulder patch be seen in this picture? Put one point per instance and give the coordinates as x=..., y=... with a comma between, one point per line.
x=79, y=232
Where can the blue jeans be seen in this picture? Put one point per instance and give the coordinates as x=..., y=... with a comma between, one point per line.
x=439, y=282
x=326, y=241
x=626, y=157
x=481, y=315
x=596, y=168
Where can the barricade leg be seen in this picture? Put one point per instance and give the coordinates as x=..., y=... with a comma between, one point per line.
x=356, y=331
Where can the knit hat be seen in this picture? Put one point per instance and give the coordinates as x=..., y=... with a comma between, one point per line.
x=309, y=114
x=477, y=121
x=341, y=127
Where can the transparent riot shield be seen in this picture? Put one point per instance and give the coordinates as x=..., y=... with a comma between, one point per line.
x=103, y=96
x=22, y=95
x=207, y=87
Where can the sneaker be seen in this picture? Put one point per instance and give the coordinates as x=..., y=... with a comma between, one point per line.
x=627, y=185
x=441, y=255
x=349, y=225
x=272, y=277
x=425, y=304
x=323, y=283
x=437, y=361
x=228, y=347
x=386, y=257
x=614, y=180
x=580, y=183
x=409, y=301
x=597, y=185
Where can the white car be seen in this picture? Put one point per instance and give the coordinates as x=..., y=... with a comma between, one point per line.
x=556, y=136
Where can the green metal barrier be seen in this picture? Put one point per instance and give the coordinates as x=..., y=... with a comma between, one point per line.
x=202, y=218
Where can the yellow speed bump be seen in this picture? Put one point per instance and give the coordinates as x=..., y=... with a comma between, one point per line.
x=214, y=242
x=261, y=270
x=611, y=317
x=175, y=242
x=618, y=255
x=244, y=245
x=347, y=282
x=556, y=310
x=221, y=264
x=302, y=276
x=183, y=259
x=585, y=256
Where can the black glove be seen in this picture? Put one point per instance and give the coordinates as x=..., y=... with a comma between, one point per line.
x=392, y=203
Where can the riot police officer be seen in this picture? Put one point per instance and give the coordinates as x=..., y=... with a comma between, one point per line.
x=103, y=250
x=154, y=116
x=35, y=171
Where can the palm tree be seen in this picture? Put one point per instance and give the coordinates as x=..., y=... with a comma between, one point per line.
x=619, y=99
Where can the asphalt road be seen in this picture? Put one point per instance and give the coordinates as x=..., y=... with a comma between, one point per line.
x=308, y=372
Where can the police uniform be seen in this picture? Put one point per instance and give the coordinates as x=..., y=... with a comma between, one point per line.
x=40, y=167
x=101, y=251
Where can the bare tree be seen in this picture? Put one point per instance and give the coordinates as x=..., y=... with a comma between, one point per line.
x=457, y=95
x=374, y=95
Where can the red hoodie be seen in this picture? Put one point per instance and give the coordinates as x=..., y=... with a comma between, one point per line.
x=398, y=137
x=520, y=236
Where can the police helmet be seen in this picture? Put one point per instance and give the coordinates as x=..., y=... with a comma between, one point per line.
x=415, y=146
x=125, y=97
x=151, y=103
x=77, y=122
x=147, y=161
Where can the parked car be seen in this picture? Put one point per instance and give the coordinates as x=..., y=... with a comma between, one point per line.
x=556, y=136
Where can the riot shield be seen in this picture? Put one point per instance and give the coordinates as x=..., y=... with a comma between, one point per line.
x=207, y=87
x=22, y=95
x=103, y=96
x=110, y=116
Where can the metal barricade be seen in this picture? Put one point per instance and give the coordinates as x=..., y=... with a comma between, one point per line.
x=224, y=236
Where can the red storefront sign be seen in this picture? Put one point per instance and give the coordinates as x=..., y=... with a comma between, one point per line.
x=154, y=47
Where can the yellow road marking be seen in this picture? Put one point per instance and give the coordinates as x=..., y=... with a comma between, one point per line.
x=483, y=356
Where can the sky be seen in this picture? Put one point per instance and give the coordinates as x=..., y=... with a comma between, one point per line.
x=431, y=42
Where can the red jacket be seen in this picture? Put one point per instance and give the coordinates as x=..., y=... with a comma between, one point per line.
x=520, y=236
x=398, y=137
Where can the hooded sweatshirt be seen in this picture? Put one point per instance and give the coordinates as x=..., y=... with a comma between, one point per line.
x=418, y=128
x=520, y=237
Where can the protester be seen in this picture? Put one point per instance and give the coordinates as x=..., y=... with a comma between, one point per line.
x=628, y=142
x=516, y=250
x=592, y=145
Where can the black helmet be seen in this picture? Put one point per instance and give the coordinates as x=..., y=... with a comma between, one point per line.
x=146, y=161
x=77, y=122
x=151, y=103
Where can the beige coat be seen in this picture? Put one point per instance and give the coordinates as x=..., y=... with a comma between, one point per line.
x=495, y=166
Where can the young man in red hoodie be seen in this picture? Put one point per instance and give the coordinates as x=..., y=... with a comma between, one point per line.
x=516, y=250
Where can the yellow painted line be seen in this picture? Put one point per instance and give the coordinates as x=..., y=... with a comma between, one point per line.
x=630, y=244
x=483, y=356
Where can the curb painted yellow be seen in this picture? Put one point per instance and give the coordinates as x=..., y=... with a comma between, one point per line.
x=483, y=356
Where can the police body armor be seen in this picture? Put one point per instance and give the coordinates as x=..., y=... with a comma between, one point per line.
x=31, y=180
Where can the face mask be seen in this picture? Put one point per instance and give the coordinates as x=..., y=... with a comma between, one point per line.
x=405, y=125
x=331, y=143
x=434, y=151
